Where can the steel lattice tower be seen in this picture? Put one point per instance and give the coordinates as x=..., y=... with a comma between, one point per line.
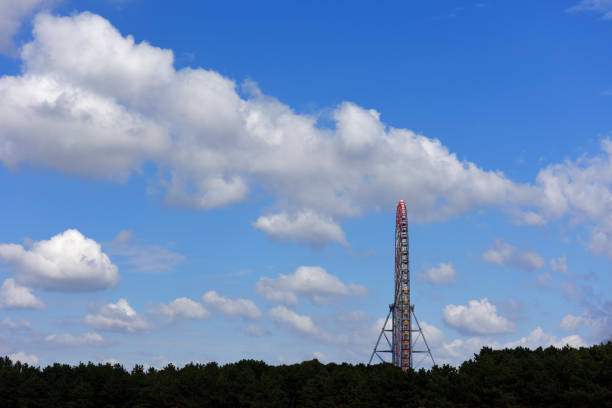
x=401, y=311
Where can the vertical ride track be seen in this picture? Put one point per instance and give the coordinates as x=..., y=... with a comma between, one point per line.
x=402, y=321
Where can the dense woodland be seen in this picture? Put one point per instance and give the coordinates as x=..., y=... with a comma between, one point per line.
x=493, y=378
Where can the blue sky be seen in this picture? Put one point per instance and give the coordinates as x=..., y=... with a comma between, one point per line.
x=209, y=182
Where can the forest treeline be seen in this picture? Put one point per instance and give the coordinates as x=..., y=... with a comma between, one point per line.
x=518, y=377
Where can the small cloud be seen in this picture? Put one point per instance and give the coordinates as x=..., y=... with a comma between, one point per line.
x=69, y=340
x=312, y=281
x=319, y=356
x=502, y=253
x=443, y=274
x=559, y=264
x=14, y=296
x=299, y=323
x=117, y=317
x=143, y=257
x=306, y=227
x=603, y=7
x=30, y=359
x=232, y=307
x=478, y=317
x=180, y=308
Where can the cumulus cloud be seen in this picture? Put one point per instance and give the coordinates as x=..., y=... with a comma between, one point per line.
x=603, y=7
x=100, y=104
x=502, y=253
x=142, y=257
x=97, y=103
x=68, y=261
x=232, y=307
x=443, y=273
x=14, y=296
x=311, y=281
x=581, y=189
x=478, y=317
x=30, y=359
x=70, y=340
x=304, y=227
x=117, y=317
x=181, y=308
x=300, y=323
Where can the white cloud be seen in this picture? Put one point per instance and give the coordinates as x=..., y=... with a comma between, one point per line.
x=69, y=340
x=305, y=227
x=538, y=338
x=12, y=14
x=603, y=7
x=444, y=273
x=312, y=281
x=67, y=262
x=15, y=325
x=98, y=103
x=232, y=307
x=478, y=317
x=94, y=102
x=559, y=264
x=300, y=323
x=583, y=190
x=502, y=253
x=30, y=359
x=144, y=258
x=14, y=296
x=181, y=308
x=117, y=317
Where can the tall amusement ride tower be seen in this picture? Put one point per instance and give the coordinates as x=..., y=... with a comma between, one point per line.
x=399, y=340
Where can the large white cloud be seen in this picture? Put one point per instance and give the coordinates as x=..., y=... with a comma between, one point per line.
x=312, y=281
x=95, y=102
x=502, y=253
x=478, y=317
x=232, y=307
x=14, y=296
x=117, y=317
x=68, y=261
